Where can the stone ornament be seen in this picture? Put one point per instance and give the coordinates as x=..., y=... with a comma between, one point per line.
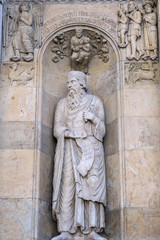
x=79, y=185
x=141, y=73
x=137, y=30
x=23, y=24
x=80, y=45
x=19, y=76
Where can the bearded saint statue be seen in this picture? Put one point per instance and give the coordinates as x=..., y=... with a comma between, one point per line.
x=79, y=184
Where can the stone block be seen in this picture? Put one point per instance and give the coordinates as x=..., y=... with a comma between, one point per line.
x=47, y=227
x=142, y=132
x=141, y=102
x=142, y=177
x=142, y=223
x=110, y=107
x=16, y=173
x=15, y=220
x=49, y=103
x=113, y=182
x=17, y=135
x=44, y=176
x=45, y=140
x=111, y=138
x=113, y=225
x=17, y=104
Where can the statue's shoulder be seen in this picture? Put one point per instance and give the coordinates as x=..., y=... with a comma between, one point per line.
x=61, y=102
x=95, y=98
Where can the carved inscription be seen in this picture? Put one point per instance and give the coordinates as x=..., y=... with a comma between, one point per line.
x=141, y=73
x=79, y=18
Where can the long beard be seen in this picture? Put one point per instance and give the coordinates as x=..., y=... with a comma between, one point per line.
x=74, y=98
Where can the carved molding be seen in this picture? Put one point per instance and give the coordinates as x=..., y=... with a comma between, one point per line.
x=75, y=1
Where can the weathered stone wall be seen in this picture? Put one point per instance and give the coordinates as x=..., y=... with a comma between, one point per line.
x=132, y=141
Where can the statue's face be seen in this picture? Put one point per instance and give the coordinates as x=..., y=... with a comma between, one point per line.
x=73, y=84
x=148, y=8
x=79, y=33
x=24, y=7
x=131, y=7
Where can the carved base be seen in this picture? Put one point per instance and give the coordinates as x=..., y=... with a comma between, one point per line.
x=79, y=236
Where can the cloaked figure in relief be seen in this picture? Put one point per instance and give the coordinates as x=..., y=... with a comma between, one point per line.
x=122, y=27
x=134, y=32
x=80, y=51
x=150, y=31
x=22, y=41
x=79, y=185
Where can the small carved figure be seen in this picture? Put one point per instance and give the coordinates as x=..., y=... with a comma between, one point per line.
x=122, y=26
x=79, y=187
x=134, y=32
x=150, y=31
x=24, y=30
x=80, y=51
x=24, y=34
x=20, y=77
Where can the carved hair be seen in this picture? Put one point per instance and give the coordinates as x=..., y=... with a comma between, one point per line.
x=24, y=4
x=80, y=76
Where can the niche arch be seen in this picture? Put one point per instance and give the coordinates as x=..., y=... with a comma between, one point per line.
x=105, y=81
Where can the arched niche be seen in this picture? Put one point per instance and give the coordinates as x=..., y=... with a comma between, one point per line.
x=104, y=81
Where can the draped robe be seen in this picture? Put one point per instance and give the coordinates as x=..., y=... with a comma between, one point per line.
x=79, y=184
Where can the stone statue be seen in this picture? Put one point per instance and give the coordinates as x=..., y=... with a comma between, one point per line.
x=134, y=32
x=22, y=41
x=150, y=30
x=79, y=185
x=122, y=26
x=80, y=51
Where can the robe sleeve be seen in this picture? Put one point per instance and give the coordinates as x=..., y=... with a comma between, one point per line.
x=98, y=127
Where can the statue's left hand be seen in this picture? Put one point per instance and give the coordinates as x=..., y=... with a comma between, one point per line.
x=88, y=116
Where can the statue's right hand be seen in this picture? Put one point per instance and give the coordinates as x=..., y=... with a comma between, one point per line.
x=69, y=134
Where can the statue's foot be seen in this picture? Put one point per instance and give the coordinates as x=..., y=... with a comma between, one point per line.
x=95, y=236
x=63, y=236
x=15, y=58
x=154, y=57
x=28, y=58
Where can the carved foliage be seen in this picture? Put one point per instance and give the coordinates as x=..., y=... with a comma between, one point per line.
x=88, y=45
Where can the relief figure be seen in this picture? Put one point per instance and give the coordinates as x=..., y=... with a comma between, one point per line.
x=122, y=26
x=79, y=183
x=134, y=32
x=22, y=41
x=150, y=31
x=80, y=51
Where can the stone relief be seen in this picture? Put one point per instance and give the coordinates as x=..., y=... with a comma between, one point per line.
x=20, y=77
x=141, y=72
x=23, y=30
x=17, y=74
x=79, y=185
x=137, y=30
x=80, y=46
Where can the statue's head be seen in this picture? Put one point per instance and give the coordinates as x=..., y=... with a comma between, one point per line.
x=148, y=6
x=24, y=7
x=76, y=80
x=79, y=32
x=132, y=5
